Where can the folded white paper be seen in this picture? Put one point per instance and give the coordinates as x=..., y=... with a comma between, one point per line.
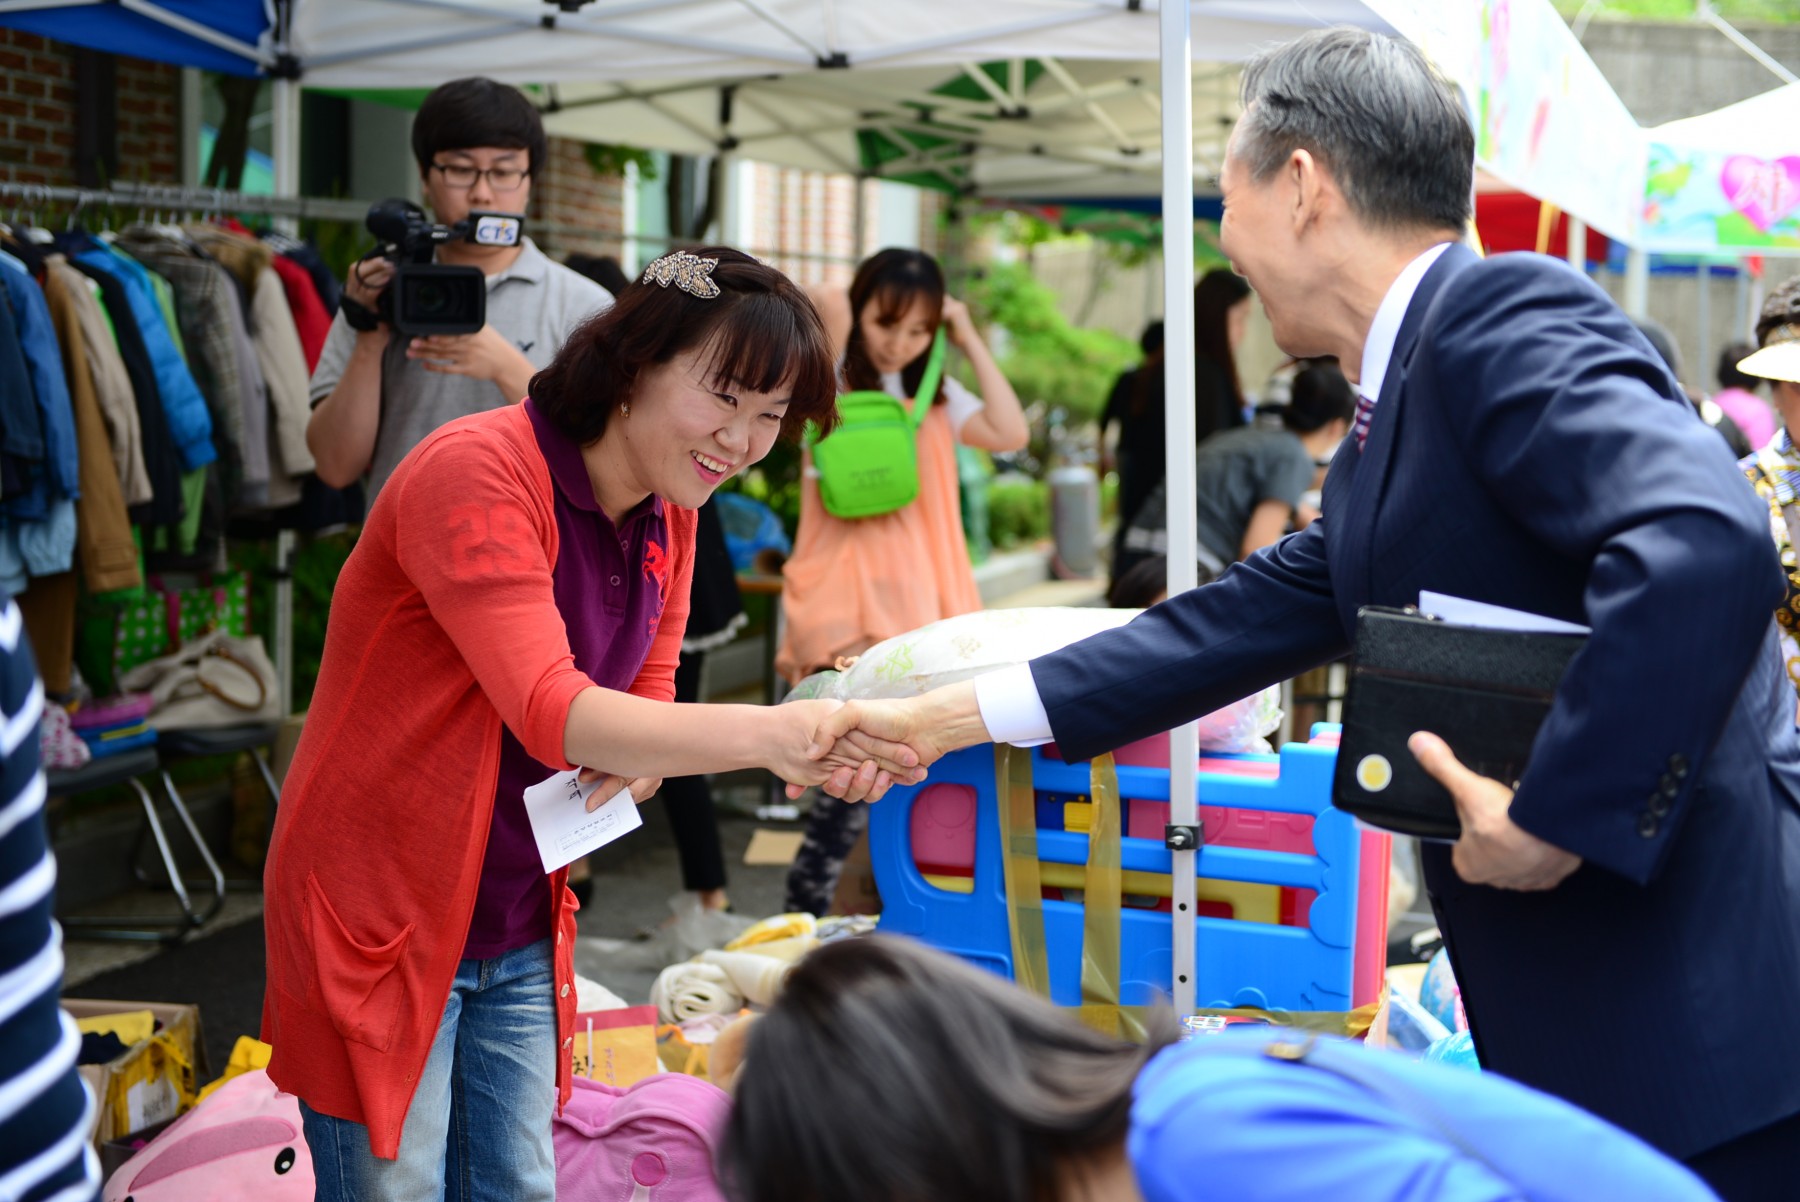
x=564, y=829
x=1464, y=612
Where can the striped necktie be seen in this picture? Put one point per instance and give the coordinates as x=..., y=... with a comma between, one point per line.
x=1365, y=410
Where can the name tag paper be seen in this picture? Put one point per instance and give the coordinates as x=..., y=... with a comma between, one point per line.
x=564, y=829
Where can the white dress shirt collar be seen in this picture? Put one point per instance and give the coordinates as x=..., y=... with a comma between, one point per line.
x=1378, y=347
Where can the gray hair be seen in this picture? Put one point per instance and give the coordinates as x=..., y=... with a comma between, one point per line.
x=1375, y=113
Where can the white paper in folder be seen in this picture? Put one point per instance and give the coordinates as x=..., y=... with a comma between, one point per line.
x=1464, y=612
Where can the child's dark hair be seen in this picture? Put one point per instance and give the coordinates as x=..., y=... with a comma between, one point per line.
x=1146, y=582
x=1318, y=396
x=466, y=113
x=890, y=1072
x=604, y=270
x=761, y=332
x=891, y=280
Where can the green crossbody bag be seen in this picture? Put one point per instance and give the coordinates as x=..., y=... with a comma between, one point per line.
x=870, y=464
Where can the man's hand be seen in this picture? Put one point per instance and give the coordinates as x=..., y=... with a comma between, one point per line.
x=797, y=756
x=917, y=730
x=367, y=280
x=1493, y=850
x=483, y=355
x=642, y=787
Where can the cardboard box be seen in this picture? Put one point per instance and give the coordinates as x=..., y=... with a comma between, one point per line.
x=856, y=892
x=152, y=1081
x=616, y=1047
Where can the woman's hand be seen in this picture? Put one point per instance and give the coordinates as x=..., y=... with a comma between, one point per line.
x=642, y=787
x=959, y=325
x=800, y=758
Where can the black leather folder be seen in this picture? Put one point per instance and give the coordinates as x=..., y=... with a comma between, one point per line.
x=1485, y=692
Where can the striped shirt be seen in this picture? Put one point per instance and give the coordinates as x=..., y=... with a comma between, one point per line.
x=45, y=1109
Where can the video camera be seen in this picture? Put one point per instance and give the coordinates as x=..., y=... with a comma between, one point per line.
x=426, y=298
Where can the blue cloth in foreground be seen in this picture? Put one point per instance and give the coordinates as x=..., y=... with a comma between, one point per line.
x=1216, y=1119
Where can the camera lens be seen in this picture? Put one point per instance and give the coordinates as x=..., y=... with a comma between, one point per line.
x=430, y=299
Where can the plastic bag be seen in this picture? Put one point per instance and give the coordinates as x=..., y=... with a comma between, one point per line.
x=750, y=528
x=971, y=645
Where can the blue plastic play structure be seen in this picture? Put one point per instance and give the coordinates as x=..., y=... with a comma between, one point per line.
x=1237, y=962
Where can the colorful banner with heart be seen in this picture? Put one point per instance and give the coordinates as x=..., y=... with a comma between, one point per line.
x=1763, y=190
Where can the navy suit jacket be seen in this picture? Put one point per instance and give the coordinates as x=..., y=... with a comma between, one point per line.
x=1528, y=449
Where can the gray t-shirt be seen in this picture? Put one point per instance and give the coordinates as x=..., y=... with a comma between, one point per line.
x=1234, y=472
x=535, y=303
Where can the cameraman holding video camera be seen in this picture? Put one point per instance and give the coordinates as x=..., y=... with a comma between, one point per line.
x=376, y=393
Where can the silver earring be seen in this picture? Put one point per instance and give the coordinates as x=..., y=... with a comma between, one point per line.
x=625, y=409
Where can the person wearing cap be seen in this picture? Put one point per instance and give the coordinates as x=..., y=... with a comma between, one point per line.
x=1774, y=470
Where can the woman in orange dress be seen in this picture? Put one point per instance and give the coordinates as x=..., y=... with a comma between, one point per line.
x=851, y=583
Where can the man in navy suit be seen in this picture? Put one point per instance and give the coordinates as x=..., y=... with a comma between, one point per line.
x=1626, y=927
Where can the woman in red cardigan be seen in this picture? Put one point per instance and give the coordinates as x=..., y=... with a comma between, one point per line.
x=514, y=608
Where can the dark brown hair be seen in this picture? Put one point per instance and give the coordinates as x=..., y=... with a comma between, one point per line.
x=889, y=1072
x=1215, y=294
x=892, y=279
x=465, y=114
x=761, y=333
x=1780, y=309
x=1217, y=291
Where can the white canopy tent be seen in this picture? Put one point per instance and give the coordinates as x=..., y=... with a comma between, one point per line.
x=827, y=50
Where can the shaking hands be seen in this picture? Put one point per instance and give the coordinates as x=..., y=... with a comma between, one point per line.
x=860, y=749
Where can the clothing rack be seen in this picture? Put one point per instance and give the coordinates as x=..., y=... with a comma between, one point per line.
x=201, y=201
x=169, y=197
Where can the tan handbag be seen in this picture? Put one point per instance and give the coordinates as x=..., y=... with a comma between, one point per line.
x=215, y=680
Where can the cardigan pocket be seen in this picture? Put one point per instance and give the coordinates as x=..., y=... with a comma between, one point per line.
x=360, y=988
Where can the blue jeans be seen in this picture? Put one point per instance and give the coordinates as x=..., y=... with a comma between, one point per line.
x=479, y=1124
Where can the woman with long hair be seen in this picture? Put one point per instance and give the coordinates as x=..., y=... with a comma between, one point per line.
x=1221, y=316
x=851, y=583
x=514, y=608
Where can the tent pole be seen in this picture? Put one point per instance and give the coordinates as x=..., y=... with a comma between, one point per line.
x=286, y=129
x=1700, y=374
x=286, y=115
x=1178, y=410
x=1637, y=282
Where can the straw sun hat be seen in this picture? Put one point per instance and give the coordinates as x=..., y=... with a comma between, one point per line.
x=1779, y=358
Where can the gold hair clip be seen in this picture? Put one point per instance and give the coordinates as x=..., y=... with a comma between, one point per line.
x=690, y=273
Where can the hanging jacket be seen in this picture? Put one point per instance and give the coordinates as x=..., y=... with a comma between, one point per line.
x=162, y=460
x=311, y=322
x=112, y=384
x=22, y=442
x=211, y=322
x=107, y=552
x=283, y=360
x=43, y=359
x=189, y=421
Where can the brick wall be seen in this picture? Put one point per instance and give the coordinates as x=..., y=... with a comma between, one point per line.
x=37, y=114
x=573, y=208
x=804, y=222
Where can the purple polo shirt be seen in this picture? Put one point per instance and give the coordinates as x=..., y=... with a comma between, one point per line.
x=610, y=604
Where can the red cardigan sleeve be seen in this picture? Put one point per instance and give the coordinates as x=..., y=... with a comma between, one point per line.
x=476, y=537
x=656, y=679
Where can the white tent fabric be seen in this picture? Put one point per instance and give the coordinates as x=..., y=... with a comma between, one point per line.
x=421, y=43
x=1762, y=125
x=1080, y=128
